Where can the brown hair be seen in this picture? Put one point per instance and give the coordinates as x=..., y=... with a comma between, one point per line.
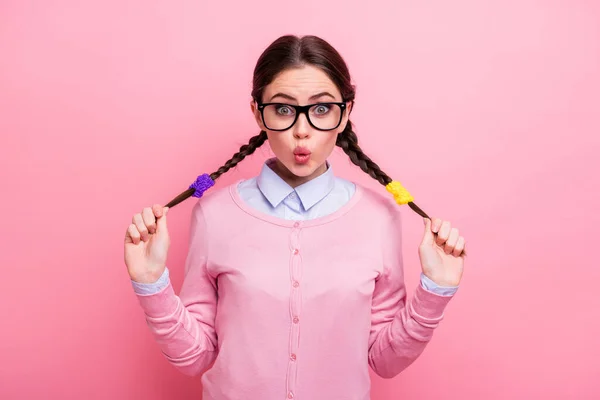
x=289, y=52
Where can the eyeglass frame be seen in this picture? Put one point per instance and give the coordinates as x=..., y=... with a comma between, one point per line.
x=303, y=110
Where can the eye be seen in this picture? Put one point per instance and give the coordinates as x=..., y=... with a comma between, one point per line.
x=284, y=110
x=322, y=109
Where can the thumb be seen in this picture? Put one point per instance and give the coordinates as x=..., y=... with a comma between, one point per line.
x=428, y=237
x=161, y=223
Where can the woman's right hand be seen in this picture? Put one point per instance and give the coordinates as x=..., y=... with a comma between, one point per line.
x=147, y=244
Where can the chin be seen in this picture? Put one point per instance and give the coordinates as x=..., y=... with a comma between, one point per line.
x=302, y=170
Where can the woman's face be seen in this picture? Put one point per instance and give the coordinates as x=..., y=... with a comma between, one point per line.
x=301, y=86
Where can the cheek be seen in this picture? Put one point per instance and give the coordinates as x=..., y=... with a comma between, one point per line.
x=328, y=141
x=325, y=143
x=277, y=141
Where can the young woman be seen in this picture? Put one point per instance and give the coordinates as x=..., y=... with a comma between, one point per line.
x=294, y=278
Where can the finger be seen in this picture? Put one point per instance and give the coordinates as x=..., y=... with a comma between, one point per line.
x=428, y=235
x=149, y=220
x=128, y=238
x=141, y=227
x=132, y=235
x=436, y=223
x=443, y=233
x=157, y=209
x=451, y=242
x=161, y=223
x=460, y=246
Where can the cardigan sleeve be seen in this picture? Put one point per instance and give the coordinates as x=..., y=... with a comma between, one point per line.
x=401, y=328
x=183, y=326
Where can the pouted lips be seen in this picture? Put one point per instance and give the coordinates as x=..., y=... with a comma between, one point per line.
x=302, y=155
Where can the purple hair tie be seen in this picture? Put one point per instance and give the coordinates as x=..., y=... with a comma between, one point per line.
x=202, y=183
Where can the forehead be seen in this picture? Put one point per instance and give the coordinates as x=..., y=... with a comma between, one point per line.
x=302, y=83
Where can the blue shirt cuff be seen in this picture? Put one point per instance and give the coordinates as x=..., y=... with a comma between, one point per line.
x=433, y=287
x=154, y=287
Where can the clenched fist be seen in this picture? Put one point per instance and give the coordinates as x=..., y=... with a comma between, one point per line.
x=442, y=256
x=147, y=244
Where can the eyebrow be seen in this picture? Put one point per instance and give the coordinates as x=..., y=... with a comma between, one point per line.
x=313, y=97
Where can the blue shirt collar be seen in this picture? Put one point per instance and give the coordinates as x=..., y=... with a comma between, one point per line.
x=310, y=193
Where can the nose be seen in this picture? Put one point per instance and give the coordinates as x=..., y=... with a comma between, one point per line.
x=301, y=127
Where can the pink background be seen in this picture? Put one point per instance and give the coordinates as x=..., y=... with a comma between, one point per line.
x=488, y=113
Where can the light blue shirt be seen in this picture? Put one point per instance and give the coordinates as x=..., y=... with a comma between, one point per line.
x=320, y=196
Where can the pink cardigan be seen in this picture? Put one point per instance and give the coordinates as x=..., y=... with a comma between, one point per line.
x=279, y=309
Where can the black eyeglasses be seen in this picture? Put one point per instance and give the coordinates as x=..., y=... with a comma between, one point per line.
x=321, y=116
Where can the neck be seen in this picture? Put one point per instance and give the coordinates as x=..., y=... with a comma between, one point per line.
x=295, y=180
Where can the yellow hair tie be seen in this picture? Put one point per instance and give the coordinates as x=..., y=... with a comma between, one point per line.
x=400, y=194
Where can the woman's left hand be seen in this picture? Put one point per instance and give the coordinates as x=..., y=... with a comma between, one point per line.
x=441, y=257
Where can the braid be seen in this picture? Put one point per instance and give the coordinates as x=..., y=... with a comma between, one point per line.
x=254, y=143
x=348, y=141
